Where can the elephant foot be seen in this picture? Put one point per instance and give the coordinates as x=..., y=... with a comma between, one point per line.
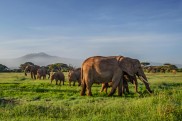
x=82, y=93
x=120, y=94
x=89, y=94
x=110, y=94
x=150, y=91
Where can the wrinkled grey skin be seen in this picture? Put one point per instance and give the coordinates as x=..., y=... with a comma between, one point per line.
x=74, y=76
x=58, y=76
x=99, y=69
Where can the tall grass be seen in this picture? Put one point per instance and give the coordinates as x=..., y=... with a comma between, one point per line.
x=22, y=98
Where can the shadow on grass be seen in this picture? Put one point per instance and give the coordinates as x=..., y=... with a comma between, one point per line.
x=10, y=83
x=141, y=94
x=44, y=90
x=169, y=85
x=4, y=102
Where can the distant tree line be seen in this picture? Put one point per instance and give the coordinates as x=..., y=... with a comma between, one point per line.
x=166, y=67
x=56, y=66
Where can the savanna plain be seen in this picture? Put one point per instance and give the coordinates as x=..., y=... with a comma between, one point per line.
x=24, y=99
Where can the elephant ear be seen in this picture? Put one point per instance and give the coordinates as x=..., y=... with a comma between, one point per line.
x=126, y=65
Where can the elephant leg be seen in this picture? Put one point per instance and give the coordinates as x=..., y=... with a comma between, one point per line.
x=125, y=85
x=31, y=75
x=34, y=76
x=114, y=86
x=136, y=85
x=56, y=81
x=127, y=88
x=103, y=86
x=63, y=82
x=73, y=83
x=88, y=87
x=79, y=83
x=83, y=90
x=120, y=88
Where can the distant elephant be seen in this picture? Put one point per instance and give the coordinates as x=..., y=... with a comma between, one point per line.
x=58, y=76
x=42, y=72
x=173, y=71
x=99, y=69
x=32, y=69
x=74, y=76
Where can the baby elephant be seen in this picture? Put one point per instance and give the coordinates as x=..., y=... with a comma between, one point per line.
x=58, y=76
x=74, y=76
x=126, y=78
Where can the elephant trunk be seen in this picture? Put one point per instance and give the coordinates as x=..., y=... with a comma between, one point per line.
x=143, y=78
x=25, y=73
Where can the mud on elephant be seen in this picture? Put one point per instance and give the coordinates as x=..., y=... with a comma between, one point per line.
x=74, y=76
x=99, y=69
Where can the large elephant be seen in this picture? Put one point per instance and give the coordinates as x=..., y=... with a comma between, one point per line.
x=99, y=69
x=74, y=76
x=32, y=69
x=58, y=76
x=42, y=72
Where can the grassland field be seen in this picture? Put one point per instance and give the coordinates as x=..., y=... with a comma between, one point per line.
x=24, y=99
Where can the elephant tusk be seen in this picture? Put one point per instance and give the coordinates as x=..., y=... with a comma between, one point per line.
x=141, y=78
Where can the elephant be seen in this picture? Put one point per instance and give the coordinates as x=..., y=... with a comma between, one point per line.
x=32, y=69
x=100, y=69
x=126, y=78
x=57, y=76
x=173, y=71
x=74, y=75
x=42, y=72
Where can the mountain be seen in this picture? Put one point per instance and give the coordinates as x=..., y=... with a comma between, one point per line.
x=41, y=59
x=44, y=59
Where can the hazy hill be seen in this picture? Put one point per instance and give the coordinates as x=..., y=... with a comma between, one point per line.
x=44, y=59
x=41, y=59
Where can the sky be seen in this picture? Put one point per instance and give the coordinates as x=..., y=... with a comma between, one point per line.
x=149, y=30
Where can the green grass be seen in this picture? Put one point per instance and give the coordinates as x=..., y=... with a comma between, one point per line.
x=22, y=98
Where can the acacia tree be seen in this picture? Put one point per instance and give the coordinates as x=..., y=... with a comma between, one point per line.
x=3, y=68
x=171, y=66
x=58, y=67
x=145, y=63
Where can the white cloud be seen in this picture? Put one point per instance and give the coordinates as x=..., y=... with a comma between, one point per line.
x=136, y=45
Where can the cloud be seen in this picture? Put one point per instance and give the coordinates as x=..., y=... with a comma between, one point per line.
x=134, y=45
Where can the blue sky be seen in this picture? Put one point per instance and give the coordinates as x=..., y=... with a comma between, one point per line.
x=149, y=30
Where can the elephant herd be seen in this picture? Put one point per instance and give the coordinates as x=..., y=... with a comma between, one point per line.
x=113, y=71
x=38, y=72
